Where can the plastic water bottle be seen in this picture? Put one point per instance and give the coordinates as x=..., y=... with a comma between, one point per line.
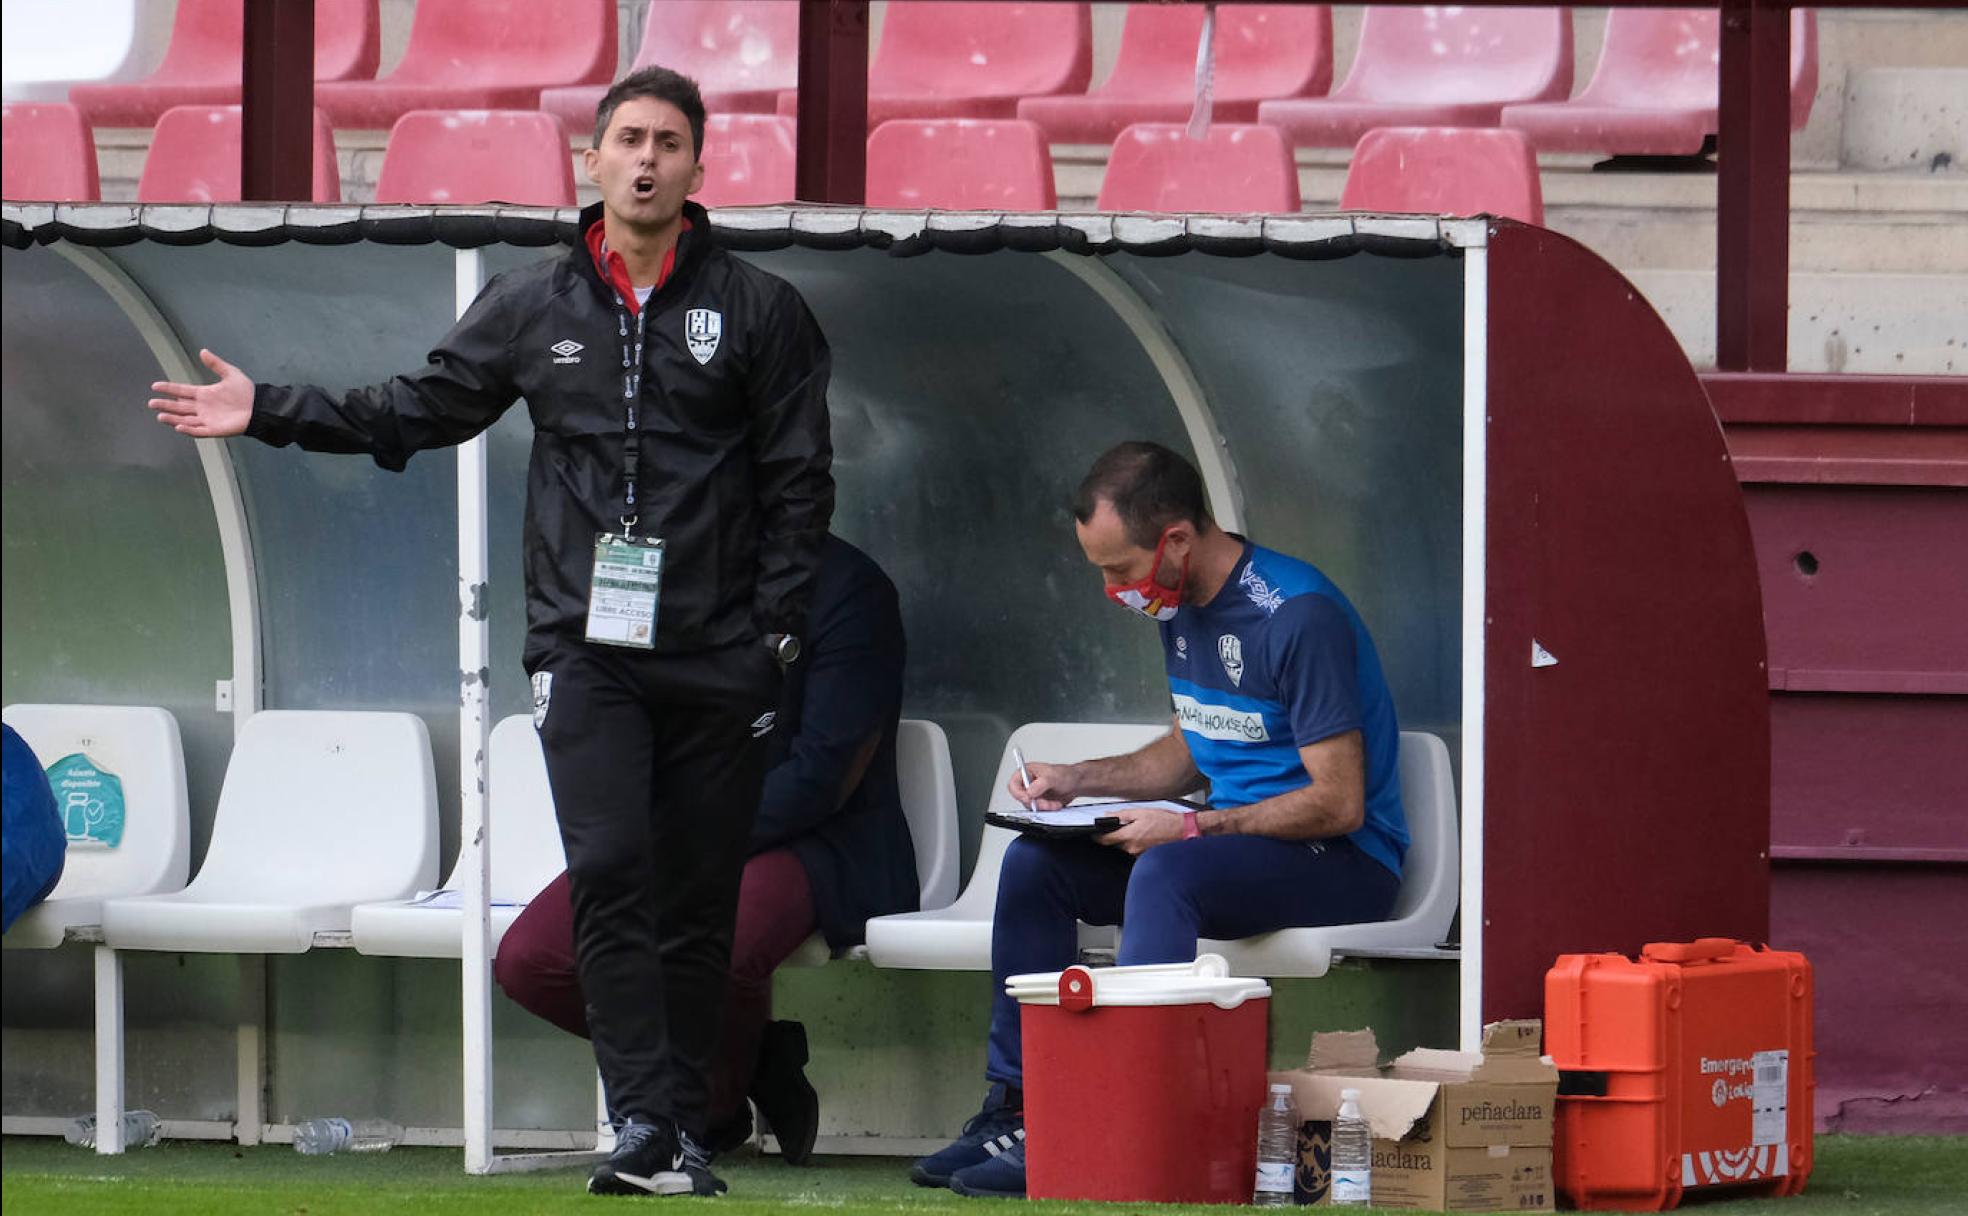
x=141, y=1129
x=1277, y=1149
x=1352, y=1154
x=320, y=1137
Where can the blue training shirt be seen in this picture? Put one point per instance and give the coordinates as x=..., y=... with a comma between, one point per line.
x=1279, y=660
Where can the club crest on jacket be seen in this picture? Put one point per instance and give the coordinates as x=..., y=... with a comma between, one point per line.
x=702, y=327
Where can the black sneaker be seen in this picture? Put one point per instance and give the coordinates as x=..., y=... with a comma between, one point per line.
x=1000, y=1177
x=993, y=1130
x=655, y=1159
x=697, y=1165
x=785, y=1097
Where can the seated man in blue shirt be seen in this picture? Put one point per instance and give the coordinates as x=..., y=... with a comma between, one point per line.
x=1280, y=709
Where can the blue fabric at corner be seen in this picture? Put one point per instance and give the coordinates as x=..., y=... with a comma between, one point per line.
x=32, y=843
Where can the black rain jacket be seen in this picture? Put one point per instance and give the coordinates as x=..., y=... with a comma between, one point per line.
x=735, y=454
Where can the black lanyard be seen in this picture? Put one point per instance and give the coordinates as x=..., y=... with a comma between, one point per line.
x=631, y=388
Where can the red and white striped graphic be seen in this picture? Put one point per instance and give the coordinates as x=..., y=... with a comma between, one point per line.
x=1721, y=1167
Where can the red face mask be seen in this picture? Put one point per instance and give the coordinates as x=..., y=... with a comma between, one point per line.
x=1148, y=597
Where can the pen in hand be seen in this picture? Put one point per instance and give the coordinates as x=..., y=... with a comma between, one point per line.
x=1025, y=775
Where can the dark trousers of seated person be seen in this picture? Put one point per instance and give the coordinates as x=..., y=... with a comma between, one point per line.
x=1217, y=886
x=535, y=966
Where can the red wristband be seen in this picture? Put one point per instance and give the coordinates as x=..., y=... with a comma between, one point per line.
x=1190, y=828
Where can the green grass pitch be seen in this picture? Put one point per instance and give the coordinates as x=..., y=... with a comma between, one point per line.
x=1854, y=1176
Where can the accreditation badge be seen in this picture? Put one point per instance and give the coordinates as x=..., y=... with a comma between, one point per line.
x=628, y=575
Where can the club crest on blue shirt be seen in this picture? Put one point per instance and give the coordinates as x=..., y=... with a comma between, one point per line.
x=1230, y=648
x=702, y=327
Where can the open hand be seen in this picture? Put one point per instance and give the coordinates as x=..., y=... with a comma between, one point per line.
x=206, y=411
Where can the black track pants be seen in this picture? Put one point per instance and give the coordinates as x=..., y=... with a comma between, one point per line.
x=656, y=762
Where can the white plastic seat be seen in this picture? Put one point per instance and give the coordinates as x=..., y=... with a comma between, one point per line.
x=1430, y=884
x=929, y=802
x=320, y=811
x=141, y=746
x=526, y=856
x=958, y=937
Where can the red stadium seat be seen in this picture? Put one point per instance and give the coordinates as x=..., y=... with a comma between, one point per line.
x=1654, y=93
x=194, y=158
x=201, y=65
x=748, y=160
x=1436, y=67
x=960, y=164
x=483, y=55
x=1445, y=171
x=1262, y=51
x=46, y=153
x=741, y=53
x=1239, y=167
x=973, y=59
x=477, y=156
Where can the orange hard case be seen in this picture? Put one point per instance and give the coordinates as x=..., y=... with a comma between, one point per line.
x=1689, y=1068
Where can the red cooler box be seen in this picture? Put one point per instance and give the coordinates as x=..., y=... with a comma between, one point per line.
x=1687, y=1070
x=1142, y=1084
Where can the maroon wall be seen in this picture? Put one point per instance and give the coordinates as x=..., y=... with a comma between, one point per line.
x=1865, y=586
x=1891, y=974
x=1857, y=489
x=1627, y=788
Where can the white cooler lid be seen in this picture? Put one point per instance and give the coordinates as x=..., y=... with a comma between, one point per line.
x=1207, y=981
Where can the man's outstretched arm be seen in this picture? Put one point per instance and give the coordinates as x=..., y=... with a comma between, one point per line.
x=462, y=389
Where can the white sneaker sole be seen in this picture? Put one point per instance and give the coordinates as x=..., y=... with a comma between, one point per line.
x=665, y=1183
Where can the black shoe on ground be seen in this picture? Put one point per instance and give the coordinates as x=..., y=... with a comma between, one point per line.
x=655, y=1159
x=997, y=1128
x=785, y=1098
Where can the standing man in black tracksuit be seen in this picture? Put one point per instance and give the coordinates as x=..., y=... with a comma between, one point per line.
x=677, y=498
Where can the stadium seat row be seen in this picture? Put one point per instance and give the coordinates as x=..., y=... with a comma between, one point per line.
x=1654, y=91
x=987, y=165
x=521, y=157
x=464, y=156
x=326, y=833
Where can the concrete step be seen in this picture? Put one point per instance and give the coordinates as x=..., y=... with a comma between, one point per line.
x=1906, y=118
x=1819, y=242
x=1886, y=324
x=1883, y=223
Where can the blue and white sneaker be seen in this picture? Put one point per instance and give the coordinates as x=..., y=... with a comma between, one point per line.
x=655, y=1159
x=1001, y=1177
x=993, y=1131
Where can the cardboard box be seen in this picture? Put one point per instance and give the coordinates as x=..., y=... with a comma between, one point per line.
x=1453, y=1131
